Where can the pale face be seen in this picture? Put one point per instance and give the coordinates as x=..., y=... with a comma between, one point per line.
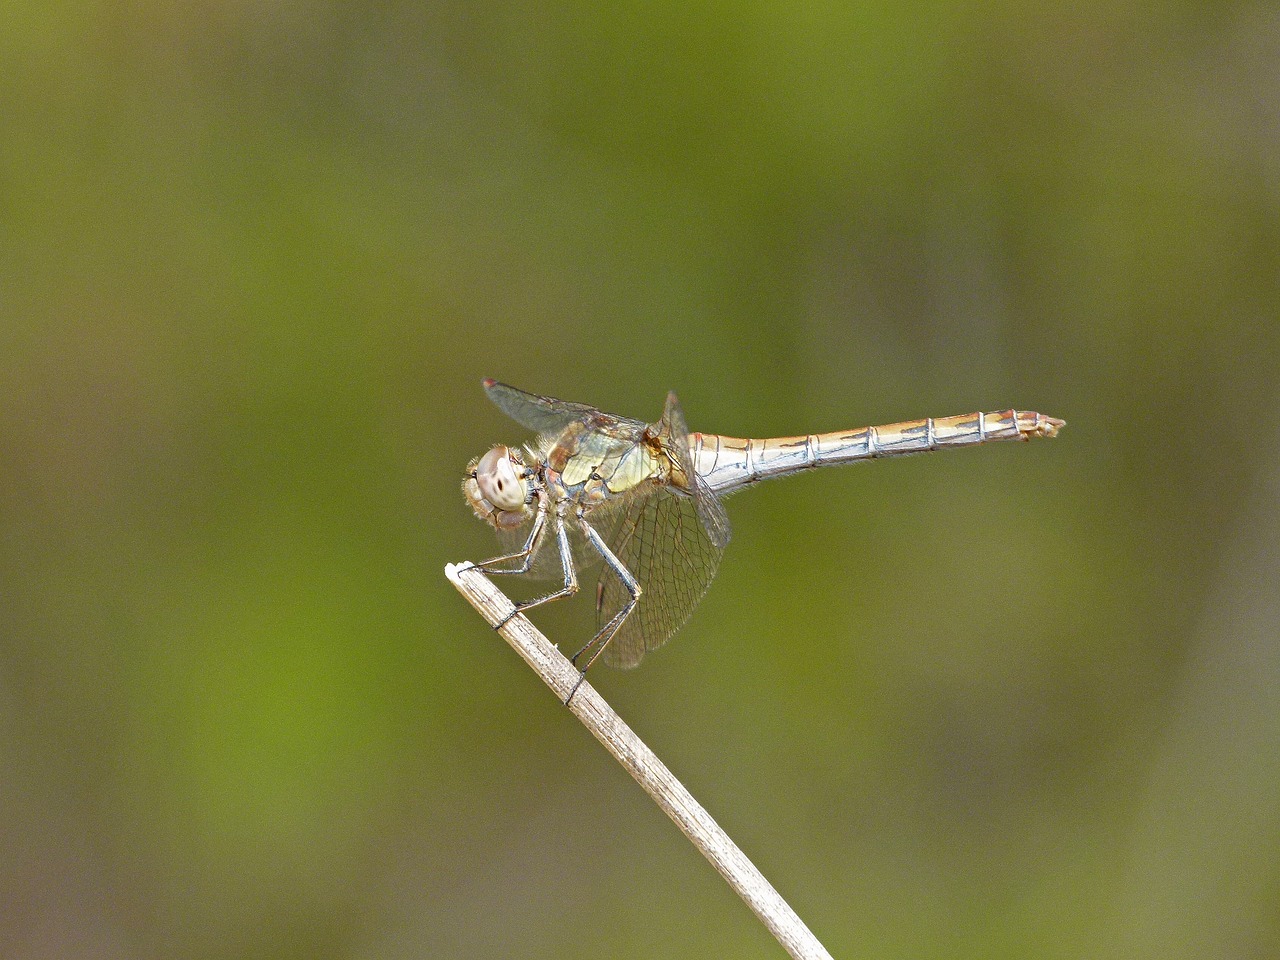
x=497, y=489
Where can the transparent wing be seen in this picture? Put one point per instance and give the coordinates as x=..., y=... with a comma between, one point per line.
x=674, y=433
x=662, y=540
x=672, y=541
x=542, y=415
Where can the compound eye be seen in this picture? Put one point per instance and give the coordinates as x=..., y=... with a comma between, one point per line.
x=498, y=480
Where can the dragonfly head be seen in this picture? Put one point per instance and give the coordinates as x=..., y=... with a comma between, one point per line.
x=498, y=489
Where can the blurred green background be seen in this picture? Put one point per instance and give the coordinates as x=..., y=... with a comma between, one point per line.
x=1021, y=702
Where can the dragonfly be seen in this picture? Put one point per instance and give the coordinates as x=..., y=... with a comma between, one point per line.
x=643, y=501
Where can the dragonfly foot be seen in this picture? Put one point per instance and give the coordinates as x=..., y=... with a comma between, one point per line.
x=581, y=677
x=507, y=619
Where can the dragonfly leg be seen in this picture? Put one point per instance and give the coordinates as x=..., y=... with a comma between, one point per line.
x=525, y=554
x=601, y=640
x=570, y=575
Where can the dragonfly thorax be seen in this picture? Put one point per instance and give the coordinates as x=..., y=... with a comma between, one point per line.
x=498, y=488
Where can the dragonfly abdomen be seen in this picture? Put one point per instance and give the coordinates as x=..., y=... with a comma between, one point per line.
x=728, y=463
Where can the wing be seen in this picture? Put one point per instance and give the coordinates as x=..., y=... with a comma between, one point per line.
x=662, y=540
x=542, y=415
x=675, y=436
x=672, y=542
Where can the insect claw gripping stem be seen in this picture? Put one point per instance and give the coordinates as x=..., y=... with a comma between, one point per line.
x=582, y=675
x=515, y=610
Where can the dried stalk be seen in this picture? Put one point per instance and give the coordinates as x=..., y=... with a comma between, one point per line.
x=607, y=727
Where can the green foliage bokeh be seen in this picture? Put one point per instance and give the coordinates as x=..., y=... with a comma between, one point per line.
x=254, y=261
